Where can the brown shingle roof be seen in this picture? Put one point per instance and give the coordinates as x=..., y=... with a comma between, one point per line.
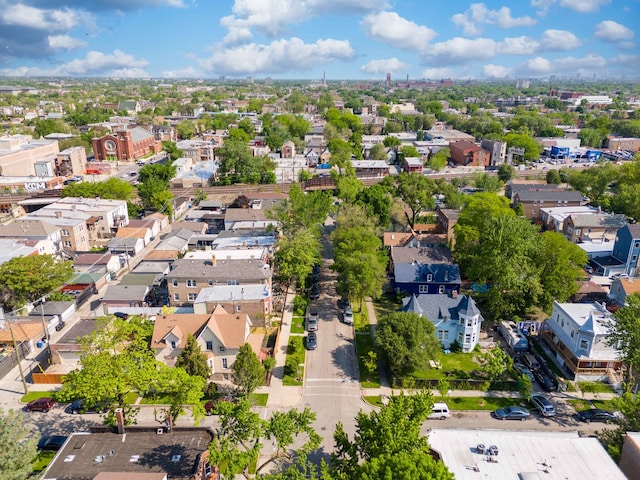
x=133, y=232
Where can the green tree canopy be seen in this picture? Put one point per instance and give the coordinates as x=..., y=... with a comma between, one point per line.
x=192, y=360
x=378, y=152
x=416, y=191
x=625, y=331
x=111, y=189
x=523, y=140
x=407, y=340
x=27, y=279
x=506, y=172
x=18, y=442
x=248, y=372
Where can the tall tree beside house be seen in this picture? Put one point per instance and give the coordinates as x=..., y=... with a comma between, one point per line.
x=26, y=279
x=625, y=332
x=192, y=360
x=416, y=191
x=18, y=441
x=248, y=371
x=378, y=152
x=629, y=421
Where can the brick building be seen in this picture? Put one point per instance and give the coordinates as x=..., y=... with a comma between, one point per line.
x=126, y=144
x=467, y=153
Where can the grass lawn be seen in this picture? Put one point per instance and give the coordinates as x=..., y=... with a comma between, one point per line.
x=295, y=356
x=461, y=364
x=478, y=403
x=364, y=344
x=297, y=325
x=259, y=399
x=375, y=400
x=26, y=398
x=385, y=305
x=595, y=387
x=361, y=320
x=131, y=397
x=42, y=460
x=579, y=404
x=162, y=400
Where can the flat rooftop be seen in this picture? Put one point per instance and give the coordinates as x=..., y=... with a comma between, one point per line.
x=85, y=455
x=524, y=455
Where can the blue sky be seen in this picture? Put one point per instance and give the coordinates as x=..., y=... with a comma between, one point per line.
x=347, y=39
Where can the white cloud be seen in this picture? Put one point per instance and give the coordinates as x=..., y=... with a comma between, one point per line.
x=478, y=14
x=580, y=6
x=279, y=56
x=540, y=66
x=558, y=40
x=273, y=17
x=25, y=16
x=437, y=72
x=518, y=46
x=385, y=65
x=610, y=31
x=459, y=50
x=237, y=35
x=115, y=64
x=188, y=72
x=398, y=32
x=65, y=42
x=495, y=71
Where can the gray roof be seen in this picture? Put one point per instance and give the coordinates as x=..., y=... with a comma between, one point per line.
x=232, y=292
x=139, y=133
x=126, y=292
x=438, y=307
x=145, y=279
x=417, y=273
x=124, y=242
x=252, y=271
x=411, y=253
x=28, y=228
x=52, y=308
x=155, y=266
x=549, y=195
x=605, y=220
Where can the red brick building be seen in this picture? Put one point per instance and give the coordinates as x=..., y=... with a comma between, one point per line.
x=126, y=144
x=466, y=153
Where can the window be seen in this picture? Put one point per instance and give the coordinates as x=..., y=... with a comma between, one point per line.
x=191, y=283
x=225, y=363
x=210, y=283
x=423, y=288
x=172, y=344
x=176, y=297
x=635, y=245
x=221, y=349
x=429, y=277
x=573, y=332
x=441, y=289
x=467, y=338
x=192, y=296
x=634, y=258
x=67, y=244
x=175, y=283
x=443, y=334
x=237, y=308
x=578, y=231
x=65, y=232
x=584, y=344
x=460, y=337
x=232, y=282
x=209, y=345
x=469, y=322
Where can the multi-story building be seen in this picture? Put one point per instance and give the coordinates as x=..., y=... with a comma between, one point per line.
x=189, y=276
x=467, y=153
x=627, y=248
x=73, y=228
x=595, y=226
x=47, y=235
x=19, y=155
x=497, y=151
x=126, y=144
x=535, y=199
x=254, y=300
x=577, y=333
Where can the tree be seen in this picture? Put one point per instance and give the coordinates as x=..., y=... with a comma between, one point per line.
x=487, y=183
x=18, y=446
x=629, y=421
x=410, y=151
x=560, y=264
x=506, y=172
x=248, y=372
x=378, y=152
x=417, y=192
x=625, y=331
x=388, y=443
x=192, y=360
x=438, y=160
x=407, y=340
x=242, y=434
x=110, y=189
x=553, y=177
x=181, y=389
x=495, y=362
x=186, y=129
x=173, y=151
x=26, y=279
x=443, y=387
x=523, y=140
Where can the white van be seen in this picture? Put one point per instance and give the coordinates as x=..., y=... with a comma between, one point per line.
x=440, y=411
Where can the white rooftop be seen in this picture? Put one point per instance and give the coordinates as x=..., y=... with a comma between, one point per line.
x=595, y=247
x=221, y=293
x=581, y=313
x=524, y=455
x=229, y=254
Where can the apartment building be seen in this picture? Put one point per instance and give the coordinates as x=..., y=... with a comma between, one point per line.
x=19, y=154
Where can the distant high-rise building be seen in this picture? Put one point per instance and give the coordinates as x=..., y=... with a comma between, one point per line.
x=388, y=82
x=522, y=83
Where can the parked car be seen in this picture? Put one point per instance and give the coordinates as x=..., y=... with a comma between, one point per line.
x=121, y=315
x=312, y=318
x=596, y=415
x=347, y=315
x=40, y=405
x=439, y=411
x=524, y=370
x=511, y=413
x=314, y=293
x=312, y=341
x=52, y=443
x=547, y=382
x=80, y=406
x=542, y=404
x=315, y=274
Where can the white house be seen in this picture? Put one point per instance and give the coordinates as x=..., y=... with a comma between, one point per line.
x=456, y=317
x=577, y=334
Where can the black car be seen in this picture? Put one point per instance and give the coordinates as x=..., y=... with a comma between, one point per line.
x=314, y=293
x=315, y=274
x=596, y=415
x=547, y=382
x=53, y=443
x=121, y=315
x=312, y=341
x=80, y=406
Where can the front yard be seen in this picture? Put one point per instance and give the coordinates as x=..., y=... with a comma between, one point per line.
x=294, y=365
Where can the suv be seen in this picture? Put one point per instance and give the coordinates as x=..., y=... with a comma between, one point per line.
x=40, y=405
x=347, y=316
x=545, y=406
x=312, y=319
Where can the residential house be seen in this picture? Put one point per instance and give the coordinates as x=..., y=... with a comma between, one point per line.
x=412, y=165
x=597, y=226
x=189, y=276
x=129, y=247
x=152, y=224
x=103, y=263
x=137, y=453
x=577, y=334
x=621, y=288
x=533, y=200
x=553, y=218
x=73, y=228
x=589, y=292
x=219, y=334
x=497, y=151
x=254, y=300
x=244, y=238
x=247, y=218
x=118, y=296
x=15, y=247
x=176, y=240
x=630, y=460
x=107, y=215
x=49, y=236
x=627, y=248
x=143, y=233
x=403, y=239
x=446, y=220
x=370, y=168
x=195, y=227
x=288, y=150
x=456, y=317
x=126, y=144
x=516, y=185
x=467, y=153
x=424, y=270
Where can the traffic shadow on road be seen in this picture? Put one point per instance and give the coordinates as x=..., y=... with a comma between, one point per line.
x=344, y=359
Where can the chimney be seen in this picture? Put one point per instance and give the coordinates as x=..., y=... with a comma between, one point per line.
x=213, y=260
x=454, y=294
x=120, y=420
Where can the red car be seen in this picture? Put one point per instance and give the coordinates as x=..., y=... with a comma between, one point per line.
x=40, y=405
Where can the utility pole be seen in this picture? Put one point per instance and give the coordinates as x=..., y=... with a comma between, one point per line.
x=15, y=347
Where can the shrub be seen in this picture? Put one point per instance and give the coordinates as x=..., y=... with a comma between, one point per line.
x=300, y=305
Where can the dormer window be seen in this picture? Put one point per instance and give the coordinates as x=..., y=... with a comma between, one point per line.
x=173, y=344
x=429, y=277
